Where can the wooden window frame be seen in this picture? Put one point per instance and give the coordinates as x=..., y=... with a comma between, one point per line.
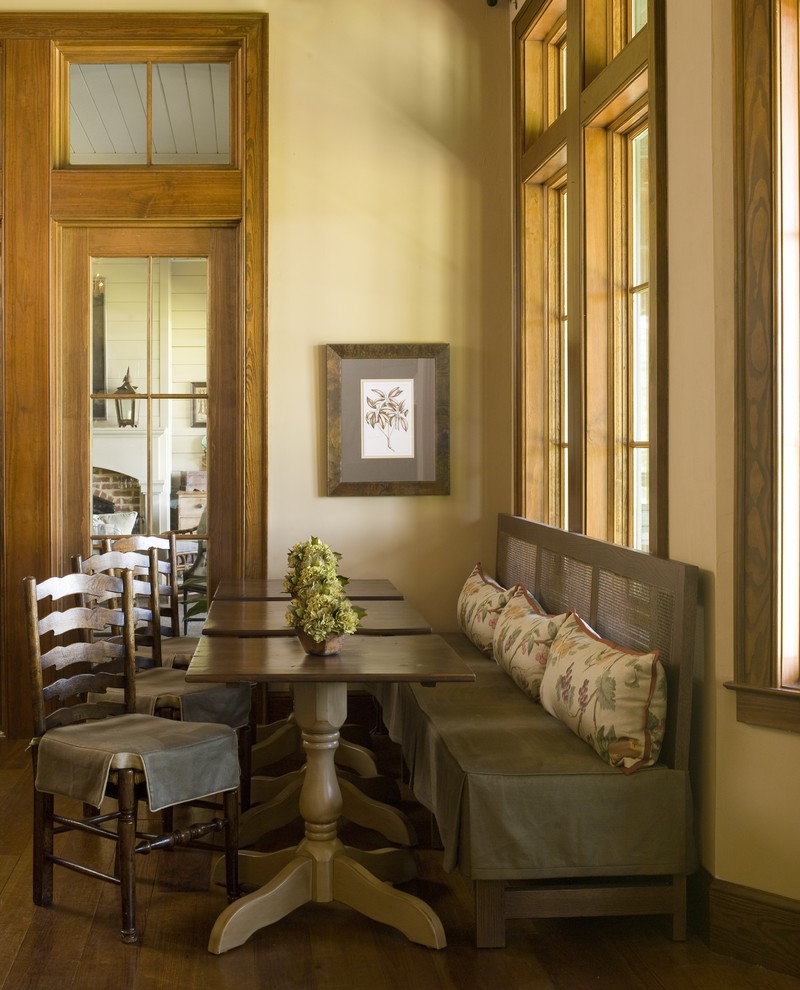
x=604, y=89
x=766, y=173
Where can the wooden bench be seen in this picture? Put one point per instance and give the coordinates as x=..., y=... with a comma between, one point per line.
x=524, y=807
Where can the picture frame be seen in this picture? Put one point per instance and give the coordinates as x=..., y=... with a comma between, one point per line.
x=388, y=419
x=200, y=404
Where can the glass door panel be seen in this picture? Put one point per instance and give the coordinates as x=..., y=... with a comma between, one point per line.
x=150, y=420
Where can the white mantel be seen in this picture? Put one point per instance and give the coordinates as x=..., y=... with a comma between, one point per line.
x=124, y=450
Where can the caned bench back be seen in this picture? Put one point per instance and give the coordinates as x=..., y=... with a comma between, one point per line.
x=631, y=598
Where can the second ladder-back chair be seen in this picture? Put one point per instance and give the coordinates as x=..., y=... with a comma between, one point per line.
x=176, y=649
x=88, y=751
x=163, y=690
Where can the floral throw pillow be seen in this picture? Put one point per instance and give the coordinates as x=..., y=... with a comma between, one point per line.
x=613, y=698
x=479, y=606
x=522, y=639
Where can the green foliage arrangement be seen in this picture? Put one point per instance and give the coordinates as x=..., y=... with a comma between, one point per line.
x=319, y=605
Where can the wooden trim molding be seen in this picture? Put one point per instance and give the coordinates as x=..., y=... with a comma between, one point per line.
x=758, y=40
x=747, y=924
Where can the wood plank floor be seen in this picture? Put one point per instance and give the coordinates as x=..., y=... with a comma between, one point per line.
x=75, y=943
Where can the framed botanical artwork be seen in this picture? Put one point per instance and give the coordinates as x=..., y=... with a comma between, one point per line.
x=388, y=419
x=200, y=404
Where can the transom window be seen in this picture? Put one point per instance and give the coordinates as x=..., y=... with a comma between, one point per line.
x=140, y=110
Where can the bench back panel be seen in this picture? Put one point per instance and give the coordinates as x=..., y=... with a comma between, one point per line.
x=631, y=598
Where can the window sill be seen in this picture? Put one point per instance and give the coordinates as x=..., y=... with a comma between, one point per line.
x=774, y=708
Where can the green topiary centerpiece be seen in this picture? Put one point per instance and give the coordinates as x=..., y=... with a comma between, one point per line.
x=320, y=610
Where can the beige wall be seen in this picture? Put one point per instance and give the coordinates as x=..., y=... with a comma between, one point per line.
x=390, y=221
x=389, y=216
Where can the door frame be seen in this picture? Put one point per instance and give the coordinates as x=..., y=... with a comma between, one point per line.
x=40, y=204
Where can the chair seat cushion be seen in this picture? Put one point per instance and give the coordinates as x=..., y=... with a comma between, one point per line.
x=228, y=704
x=182, y=761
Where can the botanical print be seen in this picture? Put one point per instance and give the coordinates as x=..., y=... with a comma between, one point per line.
x=387, y=417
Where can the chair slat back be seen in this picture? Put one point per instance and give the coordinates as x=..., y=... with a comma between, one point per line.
x=166, y=548
x=65, y=663
x=146, y=612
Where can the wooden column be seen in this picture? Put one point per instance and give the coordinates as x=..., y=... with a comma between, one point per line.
x=27, y=426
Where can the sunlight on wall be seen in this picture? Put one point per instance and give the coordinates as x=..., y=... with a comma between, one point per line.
x=384, y=147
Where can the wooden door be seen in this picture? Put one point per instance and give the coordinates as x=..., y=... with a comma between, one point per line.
x=56, y=215
x=78, y=247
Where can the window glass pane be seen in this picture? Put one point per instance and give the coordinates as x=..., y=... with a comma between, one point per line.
x=562, y=74
x=119, y=474
x=180, y=324
x=640, y=367
x=641, y=499
x=638, y=15
x=119, y=347
x=150, y=418
x=640, y=212
x=191, y=113
x=190, y=107
x=107, y=114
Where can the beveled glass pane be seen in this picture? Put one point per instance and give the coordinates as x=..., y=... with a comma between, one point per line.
x=191, y=113
x=107, y=114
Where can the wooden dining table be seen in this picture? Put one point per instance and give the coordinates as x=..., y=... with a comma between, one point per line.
x=321, y=868
x=393, y=617
x=274, y=799
x=271, y=589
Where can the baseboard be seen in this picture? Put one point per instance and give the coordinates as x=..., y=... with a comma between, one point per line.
x=746, y=924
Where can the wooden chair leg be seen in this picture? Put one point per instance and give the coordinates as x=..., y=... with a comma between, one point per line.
x=126, y=839
x=245, y=736
x=43, y=805
x=230, y=801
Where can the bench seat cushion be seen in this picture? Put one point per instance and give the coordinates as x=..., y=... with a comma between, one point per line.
x=517, y=795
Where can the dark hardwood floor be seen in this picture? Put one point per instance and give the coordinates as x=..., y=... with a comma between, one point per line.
x=75, y=943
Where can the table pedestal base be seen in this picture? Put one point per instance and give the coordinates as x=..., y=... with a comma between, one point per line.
x=321, y=869
x=280, y=797
x=334, y=872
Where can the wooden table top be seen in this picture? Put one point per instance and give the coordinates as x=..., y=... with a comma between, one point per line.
x=268, y=618
x=265, y=589
x=420, y=658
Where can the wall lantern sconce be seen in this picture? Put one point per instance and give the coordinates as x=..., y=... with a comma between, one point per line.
x=125, y=402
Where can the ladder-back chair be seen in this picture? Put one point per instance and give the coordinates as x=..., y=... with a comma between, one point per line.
x=163, y=690
x=90, y=750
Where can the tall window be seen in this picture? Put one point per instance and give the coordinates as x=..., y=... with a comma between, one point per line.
x=593, y=458
x=636, y=389
x=767, y=636
x=558, y=420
